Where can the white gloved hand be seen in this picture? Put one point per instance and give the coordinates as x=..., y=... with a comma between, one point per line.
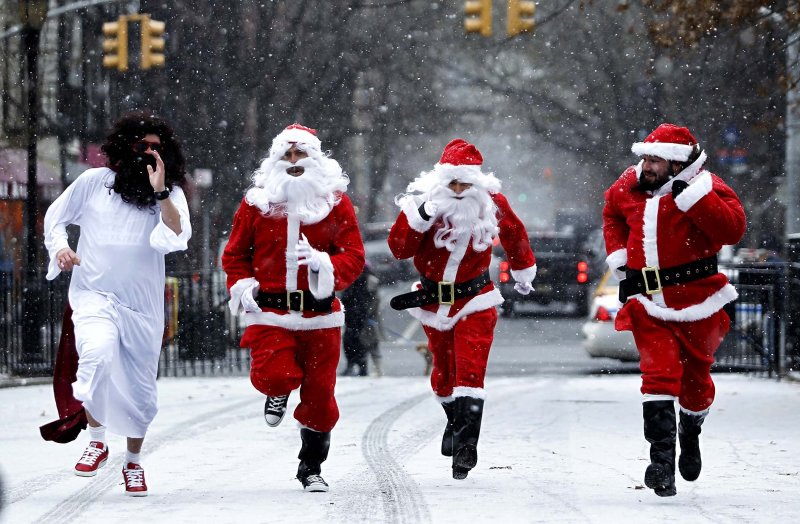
x=307, y=255
x=621, y=273
x=523, y=288
x=430, y=208
x=249, y=303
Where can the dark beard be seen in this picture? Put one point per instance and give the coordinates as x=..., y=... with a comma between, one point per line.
x=133, y=184
x=651, y=186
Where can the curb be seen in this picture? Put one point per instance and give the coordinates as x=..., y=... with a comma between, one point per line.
x=13, y=382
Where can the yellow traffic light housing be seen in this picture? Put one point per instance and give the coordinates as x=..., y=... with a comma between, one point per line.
x=478, y=17
x=520, y=16
x=115, y=44
x=152, y=32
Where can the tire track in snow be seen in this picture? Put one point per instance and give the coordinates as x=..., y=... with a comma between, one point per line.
x=401, y=498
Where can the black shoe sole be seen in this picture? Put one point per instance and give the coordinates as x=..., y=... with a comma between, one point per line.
x=658, y=478
x=689, y=469
x=460, y=473
x=466, y=457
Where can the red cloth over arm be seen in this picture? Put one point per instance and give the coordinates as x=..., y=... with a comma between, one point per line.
x=719, y=214
x=237, y=259
x=615, y=227
x=513, y=235
x=403, y=240
x=348, y=253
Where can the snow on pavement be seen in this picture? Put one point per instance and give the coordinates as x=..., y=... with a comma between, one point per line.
x=552, y=449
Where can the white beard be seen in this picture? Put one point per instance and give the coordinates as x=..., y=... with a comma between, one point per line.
x=474, y=215
x=311, y=195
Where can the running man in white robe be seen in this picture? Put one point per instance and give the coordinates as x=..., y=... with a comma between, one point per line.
x=130, y=215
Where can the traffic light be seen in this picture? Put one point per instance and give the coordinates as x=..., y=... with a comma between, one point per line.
x=478, y=17
x=520, y=16
x=152, y=42
x=115, y=44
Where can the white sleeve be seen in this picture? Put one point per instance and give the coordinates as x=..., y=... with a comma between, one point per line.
x=162, y=238
x=65, y=210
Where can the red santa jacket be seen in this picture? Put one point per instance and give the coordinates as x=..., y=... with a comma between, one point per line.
x=412, y=236
x=262, y=249
x=644, y=228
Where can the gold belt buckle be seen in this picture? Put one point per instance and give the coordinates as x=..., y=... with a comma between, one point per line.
x=444, y=285
x=655, y=271
x=289, y=299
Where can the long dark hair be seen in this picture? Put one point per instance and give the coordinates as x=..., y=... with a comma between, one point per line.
x=131, y=181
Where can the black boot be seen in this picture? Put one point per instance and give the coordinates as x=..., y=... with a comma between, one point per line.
x=447, y=438
x=659, y=430
x=466, y=430
x=689, y=463
x=313, y=453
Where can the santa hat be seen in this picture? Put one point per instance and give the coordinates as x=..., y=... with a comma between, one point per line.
x=303, y=137
x=669, y=142
x=462, y=161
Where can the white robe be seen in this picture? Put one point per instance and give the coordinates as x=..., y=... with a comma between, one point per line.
x=117, y=296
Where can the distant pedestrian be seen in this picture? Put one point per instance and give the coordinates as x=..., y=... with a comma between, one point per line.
x=130, y=214
x=295, y=241
x=664, y=220
x=362, y=325
x=448, y=222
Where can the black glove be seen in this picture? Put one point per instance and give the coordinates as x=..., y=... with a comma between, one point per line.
x=677, y=187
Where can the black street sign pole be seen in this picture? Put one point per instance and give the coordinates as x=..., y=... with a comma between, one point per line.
x=31, y=362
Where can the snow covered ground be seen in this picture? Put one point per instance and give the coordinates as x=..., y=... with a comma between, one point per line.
x=553, y=449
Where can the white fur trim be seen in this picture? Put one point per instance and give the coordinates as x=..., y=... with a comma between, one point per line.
x=303, y=139
x=443, y=400
x=617, y=259
x=292, y=238
x=650, y=239
x=465, y=391
x=651, y=397
x=294, y=321
x=468, y=174
x=410, y=206
x=443, y=323
x=524, y=275
x=237, y=290
x=667, y=151
x=699, y=188
x=695, y=312
x=321, y=283
x=687, y=175
x=695, y=413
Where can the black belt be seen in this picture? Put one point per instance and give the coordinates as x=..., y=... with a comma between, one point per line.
x=650, y=280
x=294, y=301
x=440, y=292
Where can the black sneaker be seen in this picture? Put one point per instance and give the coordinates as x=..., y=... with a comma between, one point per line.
x=314, y=483
x=275, y=409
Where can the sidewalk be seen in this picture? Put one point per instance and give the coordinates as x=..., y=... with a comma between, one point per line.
x=553, y=448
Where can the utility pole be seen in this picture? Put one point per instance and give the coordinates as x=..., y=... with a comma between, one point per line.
x=792, y=225
x=32, y=15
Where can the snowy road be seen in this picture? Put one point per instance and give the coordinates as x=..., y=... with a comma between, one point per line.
x=553, y=449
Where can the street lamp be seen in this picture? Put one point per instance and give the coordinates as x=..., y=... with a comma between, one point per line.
x=32, y=15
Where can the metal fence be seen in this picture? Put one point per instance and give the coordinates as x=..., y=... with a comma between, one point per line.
x=201, y=336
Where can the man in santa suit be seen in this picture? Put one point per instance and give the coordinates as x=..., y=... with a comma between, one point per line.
x=664, y=221
x=448, y=220
x=295, y=241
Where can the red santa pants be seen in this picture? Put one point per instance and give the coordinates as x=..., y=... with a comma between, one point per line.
x=461, y=354
x=284, y=360
x=676, y=357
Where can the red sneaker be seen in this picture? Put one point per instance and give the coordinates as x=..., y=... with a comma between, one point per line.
x=134, y=480
x=94, y=457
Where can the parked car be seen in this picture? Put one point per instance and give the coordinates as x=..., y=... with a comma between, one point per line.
x=602, y=340
x=388, y=269
x=563, y=273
